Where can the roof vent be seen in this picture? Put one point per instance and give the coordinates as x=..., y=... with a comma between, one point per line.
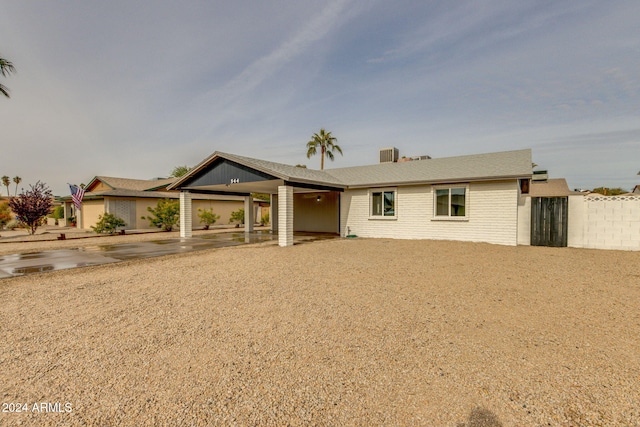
x=389, y=155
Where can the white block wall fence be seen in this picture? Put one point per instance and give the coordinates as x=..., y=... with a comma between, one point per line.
x=604, y=222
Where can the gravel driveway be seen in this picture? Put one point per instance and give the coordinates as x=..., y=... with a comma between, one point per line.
x=337, y=332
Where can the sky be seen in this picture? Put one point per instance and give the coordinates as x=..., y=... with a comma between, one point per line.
x=132, y=89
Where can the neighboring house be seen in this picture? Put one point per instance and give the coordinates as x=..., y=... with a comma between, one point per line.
x=636, y=189
x=471, y=198
x=130, y=198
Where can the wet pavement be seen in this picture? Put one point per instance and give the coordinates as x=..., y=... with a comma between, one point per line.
x=60, y=259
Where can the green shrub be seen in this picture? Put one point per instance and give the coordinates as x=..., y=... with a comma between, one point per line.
x=165, y=215
x=5, y=214
x=108, y=224
x=264, y=220
x=13, y=224
x=237, y=216
x=207, y=217
x=58, y=212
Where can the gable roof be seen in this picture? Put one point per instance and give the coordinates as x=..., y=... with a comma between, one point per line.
x=130, y=184
x=277, y=170
x=477, y=167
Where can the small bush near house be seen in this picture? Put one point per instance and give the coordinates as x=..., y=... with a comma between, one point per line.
x=264, y=220
x=165, y=215
x=58, y=212
x=207, y=217
x=12, y=225
x=108, y=224
x=237, y=217
x=5, y=214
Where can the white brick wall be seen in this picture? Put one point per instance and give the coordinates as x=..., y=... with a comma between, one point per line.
x=492, y=210
x=185, y=215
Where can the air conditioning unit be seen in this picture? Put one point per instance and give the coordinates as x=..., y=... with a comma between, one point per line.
x=389, y=155
x=540, y=176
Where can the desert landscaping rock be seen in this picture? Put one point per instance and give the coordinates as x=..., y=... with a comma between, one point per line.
x=337, y=332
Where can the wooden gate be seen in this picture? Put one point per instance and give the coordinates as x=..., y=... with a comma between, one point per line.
x=549, y=221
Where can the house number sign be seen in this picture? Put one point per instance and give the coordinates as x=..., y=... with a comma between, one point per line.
x=235, y=180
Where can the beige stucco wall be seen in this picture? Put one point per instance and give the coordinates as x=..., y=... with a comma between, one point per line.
x=91, y=210
x=100, y=186
x=220, y=207
x=311, y=214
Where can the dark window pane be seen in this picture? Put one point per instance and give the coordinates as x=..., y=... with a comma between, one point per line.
x=389, y=203
x=457, y=202
x=442, y=202
x=376, y=203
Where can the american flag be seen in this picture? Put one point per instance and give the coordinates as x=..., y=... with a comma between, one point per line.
x=77, y=193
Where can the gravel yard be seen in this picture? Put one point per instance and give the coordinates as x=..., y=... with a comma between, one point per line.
x=336, y=332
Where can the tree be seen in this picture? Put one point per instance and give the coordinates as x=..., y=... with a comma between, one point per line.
x=179, y=171
x=32, y=206
x=6, y=181
x=108, y=224
x=608, y=191
x=17, y=180
x=327, y=144
x=165, y=215
x=207, y=217
x=6, y=68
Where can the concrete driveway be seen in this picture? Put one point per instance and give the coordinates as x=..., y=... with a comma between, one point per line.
x=59, y=259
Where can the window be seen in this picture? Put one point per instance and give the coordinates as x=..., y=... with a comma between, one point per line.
x=383, y=203
x=451, y=202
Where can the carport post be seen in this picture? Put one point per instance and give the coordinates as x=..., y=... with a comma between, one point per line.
x=248, y=214
x=186, y=229
x=285, y=215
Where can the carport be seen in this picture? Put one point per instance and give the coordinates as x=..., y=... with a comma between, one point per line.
x=314, y=194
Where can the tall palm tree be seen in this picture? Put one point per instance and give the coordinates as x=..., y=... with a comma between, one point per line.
x=17, y=180
x=327, y=144
x=6, y=68
x=6, y=181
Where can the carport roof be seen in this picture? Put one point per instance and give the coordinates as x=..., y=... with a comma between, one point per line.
x=478, y=167
x=278, y=170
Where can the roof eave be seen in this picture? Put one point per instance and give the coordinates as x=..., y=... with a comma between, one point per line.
x=439, y=181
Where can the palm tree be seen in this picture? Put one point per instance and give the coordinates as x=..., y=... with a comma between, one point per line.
x=17, y=180
x=6, y=181
x=6, y=68
x=327, y=144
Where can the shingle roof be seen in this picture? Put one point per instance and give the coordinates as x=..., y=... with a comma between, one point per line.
x=279, y=170
x=132, y=184
x=506, y=164
x=556, y=187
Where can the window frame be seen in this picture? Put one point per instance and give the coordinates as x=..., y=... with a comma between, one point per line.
x=373, y=191
x=450, y=217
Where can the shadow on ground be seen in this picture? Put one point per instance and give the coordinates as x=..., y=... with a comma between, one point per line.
x=481, y=417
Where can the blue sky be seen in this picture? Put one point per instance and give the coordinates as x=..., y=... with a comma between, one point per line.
x=132, y=89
